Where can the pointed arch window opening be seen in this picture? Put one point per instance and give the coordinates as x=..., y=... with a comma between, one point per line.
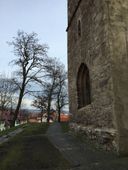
x=83, y=86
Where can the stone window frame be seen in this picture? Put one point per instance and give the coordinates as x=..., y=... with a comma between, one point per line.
x=83, y=86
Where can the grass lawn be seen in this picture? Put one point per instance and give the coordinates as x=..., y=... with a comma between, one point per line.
x=65, y=126
x=31, y=150
x=5, y=132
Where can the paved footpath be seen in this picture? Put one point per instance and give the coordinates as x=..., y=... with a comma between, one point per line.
x=83, y=156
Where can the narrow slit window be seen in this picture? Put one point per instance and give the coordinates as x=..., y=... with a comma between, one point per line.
x=79, y=28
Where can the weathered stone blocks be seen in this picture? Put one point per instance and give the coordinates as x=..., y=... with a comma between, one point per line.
x=103, y=47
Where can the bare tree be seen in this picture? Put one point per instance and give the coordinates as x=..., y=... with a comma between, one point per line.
x=50, y=81
x=53, y=84
x=40, y=103
x=7, y=89
x=61, y=91
x=30, y=55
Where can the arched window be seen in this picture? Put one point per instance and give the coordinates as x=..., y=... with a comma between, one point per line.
x=83, y=86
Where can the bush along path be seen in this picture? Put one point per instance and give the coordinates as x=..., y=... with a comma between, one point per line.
x=31, y=150
x=83, y=156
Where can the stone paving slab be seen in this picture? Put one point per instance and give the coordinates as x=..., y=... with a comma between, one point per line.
x=82, y=156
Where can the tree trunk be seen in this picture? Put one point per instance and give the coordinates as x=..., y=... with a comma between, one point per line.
x=58, y=106
x=41, y=115
x=48, y=110
x=49, y=103
x=17, y=108
x=59, y=120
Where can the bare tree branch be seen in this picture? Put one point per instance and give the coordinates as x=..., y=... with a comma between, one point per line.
x=30, y=56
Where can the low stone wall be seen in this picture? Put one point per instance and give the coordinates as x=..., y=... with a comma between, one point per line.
x=104, y=138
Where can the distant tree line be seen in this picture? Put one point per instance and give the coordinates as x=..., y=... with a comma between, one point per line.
x=34, y=66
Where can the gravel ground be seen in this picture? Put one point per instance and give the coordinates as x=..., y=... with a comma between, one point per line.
x=83, y=156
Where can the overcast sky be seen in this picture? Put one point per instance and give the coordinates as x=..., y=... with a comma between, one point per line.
x=48, y=18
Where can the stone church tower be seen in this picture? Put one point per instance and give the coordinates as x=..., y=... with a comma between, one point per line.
x=98, y=65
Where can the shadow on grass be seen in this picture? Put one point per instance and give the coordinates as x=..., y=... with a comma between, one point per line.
x=31, y=150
